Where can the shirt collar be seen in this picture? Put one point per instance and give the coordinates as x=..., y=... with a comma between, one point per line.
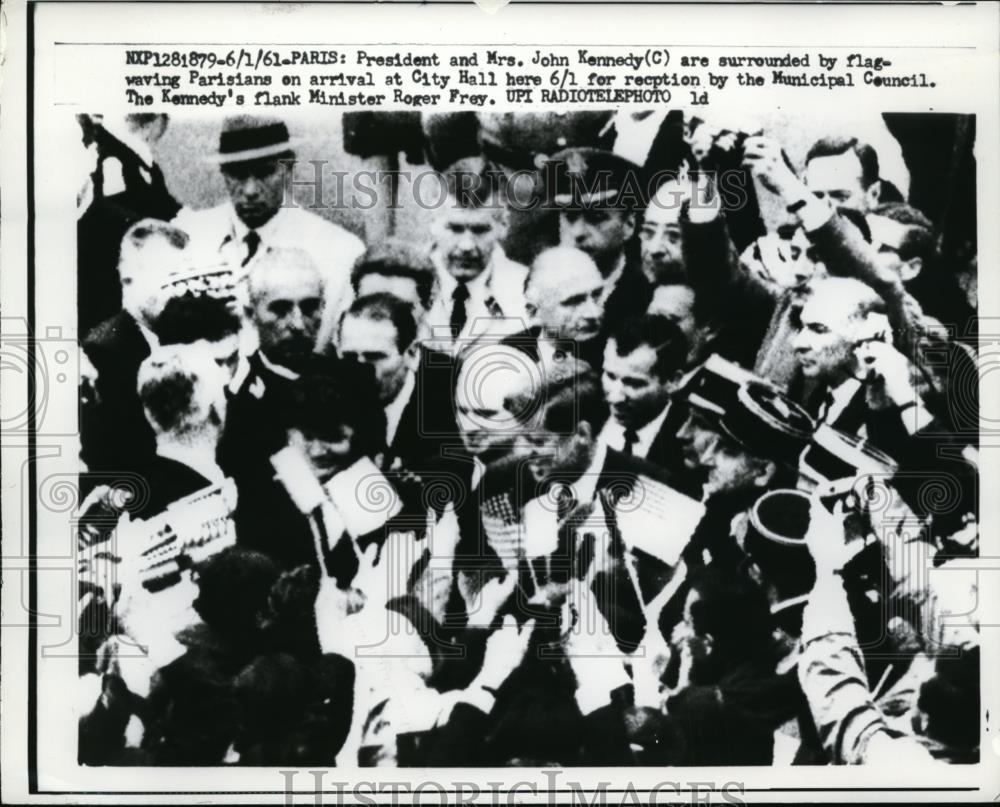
x=840, y=398
x=585, y=488
x=195, y=457
x=614, y=431
x=151, y=338
x=277, y=369
x=477, y=286
x=267, y=231
x=394, y=410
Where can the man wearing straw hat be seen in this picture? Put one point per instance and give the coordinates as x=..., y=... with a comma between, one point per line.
x=256, y=157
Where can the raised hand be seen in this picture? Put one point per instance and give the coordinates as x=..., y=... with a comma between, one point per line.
x=505, y=650
x=764, y=157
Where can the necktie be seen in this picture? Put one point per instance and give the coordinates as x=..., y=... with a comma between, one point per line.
x=459, y=315
x=631, y=438
x=819, y=403
x=252, y=240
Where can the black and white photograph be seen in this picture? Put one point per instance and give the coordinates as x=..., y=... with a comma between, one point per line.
x=417, y=434
x=615, y=468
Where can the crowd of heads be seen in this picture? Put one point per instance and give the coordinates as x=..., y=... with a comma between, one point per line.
x=662, y=341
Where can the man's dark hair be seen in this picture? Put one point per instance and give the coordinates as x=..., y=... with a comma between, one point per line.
x=394, y=258
x=664, y=336
x=835, y=146
x=858, y=220
x=919, y=241
x=383, y=307
x=472, y=183
x=233, y=589
x=168, y=399
x=565, y=399
x=345, y=394
x=889, y=193
x=192, y=317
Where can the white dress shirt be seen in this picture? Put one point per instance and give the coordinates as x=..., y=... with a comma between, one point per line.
x=495, y=307
x=217, y=235
x=613, y=434
x=394, y=409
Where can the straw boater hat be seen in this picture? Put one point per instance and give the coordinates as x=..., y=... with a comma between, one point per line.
x=245, y=138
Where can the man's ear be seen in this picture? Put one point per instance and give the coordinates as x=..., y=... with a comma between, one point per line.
x=873, y=192
x=531, y=309
x=673, y=381
x=502, y=221
x=765, y=474
x=584, y=432
x=628, y=223
x=412, y=355
x=908, y=270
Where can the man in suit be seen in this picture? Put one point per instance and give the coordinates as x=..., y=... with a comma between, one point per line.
x=480, y=291
x=285, y=291
x=643, y=362
x=565, y=303
x=182, y=392
x=863, y=384
x=379, y=330
x=116, y=436
x=598, y=195
x=256, y=157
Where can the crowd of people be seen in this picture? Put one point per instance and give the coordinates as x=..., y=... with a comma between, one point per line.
x=608, y=470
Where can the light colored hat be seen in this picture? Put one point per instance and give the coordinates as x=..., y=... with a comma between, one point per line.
x=245, y=138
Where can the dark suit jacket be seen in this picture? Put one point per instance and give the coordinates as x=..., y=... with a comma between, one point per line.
x=100, y=229
x=632, y=293
x=428, y=430
x=591, y=352
x=115, y=435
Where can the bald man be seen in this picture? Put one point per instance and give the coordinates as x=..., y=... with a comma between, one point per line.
x=489, y=377
x=564, y=297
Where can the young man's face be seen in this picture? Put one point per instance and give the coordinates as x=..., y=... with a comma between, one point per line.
x=568, y=299
x=375, y=342
x=256, y=188
x=465, y=239
x=634, y=393
x=599, y=232
x=286, y=309
x=888, y=237
x=328, y=453
x=547, y=453
x=839, y=179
